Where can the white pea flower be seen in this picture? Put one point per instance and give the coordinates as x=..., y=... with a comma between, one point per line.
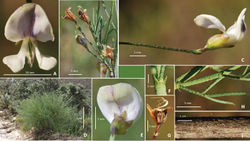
x=28, y=24
x=121, y=105
x=229, y=37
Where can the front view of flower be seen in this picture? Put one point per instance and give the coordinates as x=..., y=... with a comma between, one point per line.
x=121, y=105
x=28, y=24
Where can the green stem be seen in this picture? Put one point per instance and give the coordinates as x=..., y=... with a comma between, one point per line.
x=245, y=71
x=235, y=77
x=163, y=47
x=28, y=1
x=109, y=23
x=112, y=138
x=217, y=75
x=160, y=87
x=160, y=80
x=107, y=13
x=101, y=60
x=212, y=85
x=199, y=80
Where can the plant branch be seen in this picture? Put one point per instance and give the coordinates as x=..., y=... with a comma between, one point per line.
x=195, y=51
x=183, y=82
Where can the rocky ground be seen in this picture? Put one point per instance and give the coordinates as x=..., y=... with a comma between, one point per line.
x=8, y=128
x=213, y=128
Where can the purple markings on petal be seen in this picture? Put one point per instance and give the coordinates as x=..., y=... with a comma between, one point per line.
x=29, y=20
x=26, y=23
x=116, y=102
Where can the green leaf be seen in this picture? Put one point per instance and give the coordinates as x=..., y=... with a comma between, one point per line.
x=212, y=85
x=194, y=71
x=201, y=80
x=226, y=94
x=219, y=101
x=206, y=96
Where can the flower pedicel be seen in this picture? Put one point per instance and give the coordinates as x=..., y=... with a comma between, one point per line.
x=28, y=24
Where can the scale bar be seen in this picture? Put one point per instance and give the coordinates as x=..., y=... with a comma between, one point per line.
x=185, y=120
x=74, y=74
x=83, y=117
x=147, y=126
x=212, y=111
x=148, y=79
x=188, y=106
x=95, y=118
x=27, y=74
x=138, y=56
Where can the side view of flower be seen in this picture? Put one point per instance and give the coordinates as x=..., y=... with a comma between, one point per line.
x=121, y=105
x=229, y=37
x=28, y=24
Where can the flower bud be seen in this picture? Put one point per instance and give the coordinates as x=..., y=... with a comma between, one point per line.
x=80, y=39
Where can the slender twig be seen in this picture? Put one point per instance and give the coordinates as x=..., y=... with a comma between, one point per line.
x=195, y=51
x=107, y=13
x=109, y=22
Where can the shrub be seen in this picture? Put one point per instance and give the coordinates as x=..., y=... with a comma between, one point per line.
x=49, y=112
x=12, y=92
x=79, y=96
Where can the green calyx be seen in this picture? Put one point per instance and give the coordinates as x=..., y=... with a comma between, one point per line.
x=119, y=125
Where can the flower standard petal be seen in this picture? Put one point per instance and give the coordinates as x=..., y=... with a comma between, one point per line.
x=45, y=62
x=42, y=29
x=209, y=21
x=19, y=25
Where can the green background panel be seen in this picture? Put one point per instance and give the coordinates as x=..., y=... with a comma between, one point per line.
x=131, y=71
